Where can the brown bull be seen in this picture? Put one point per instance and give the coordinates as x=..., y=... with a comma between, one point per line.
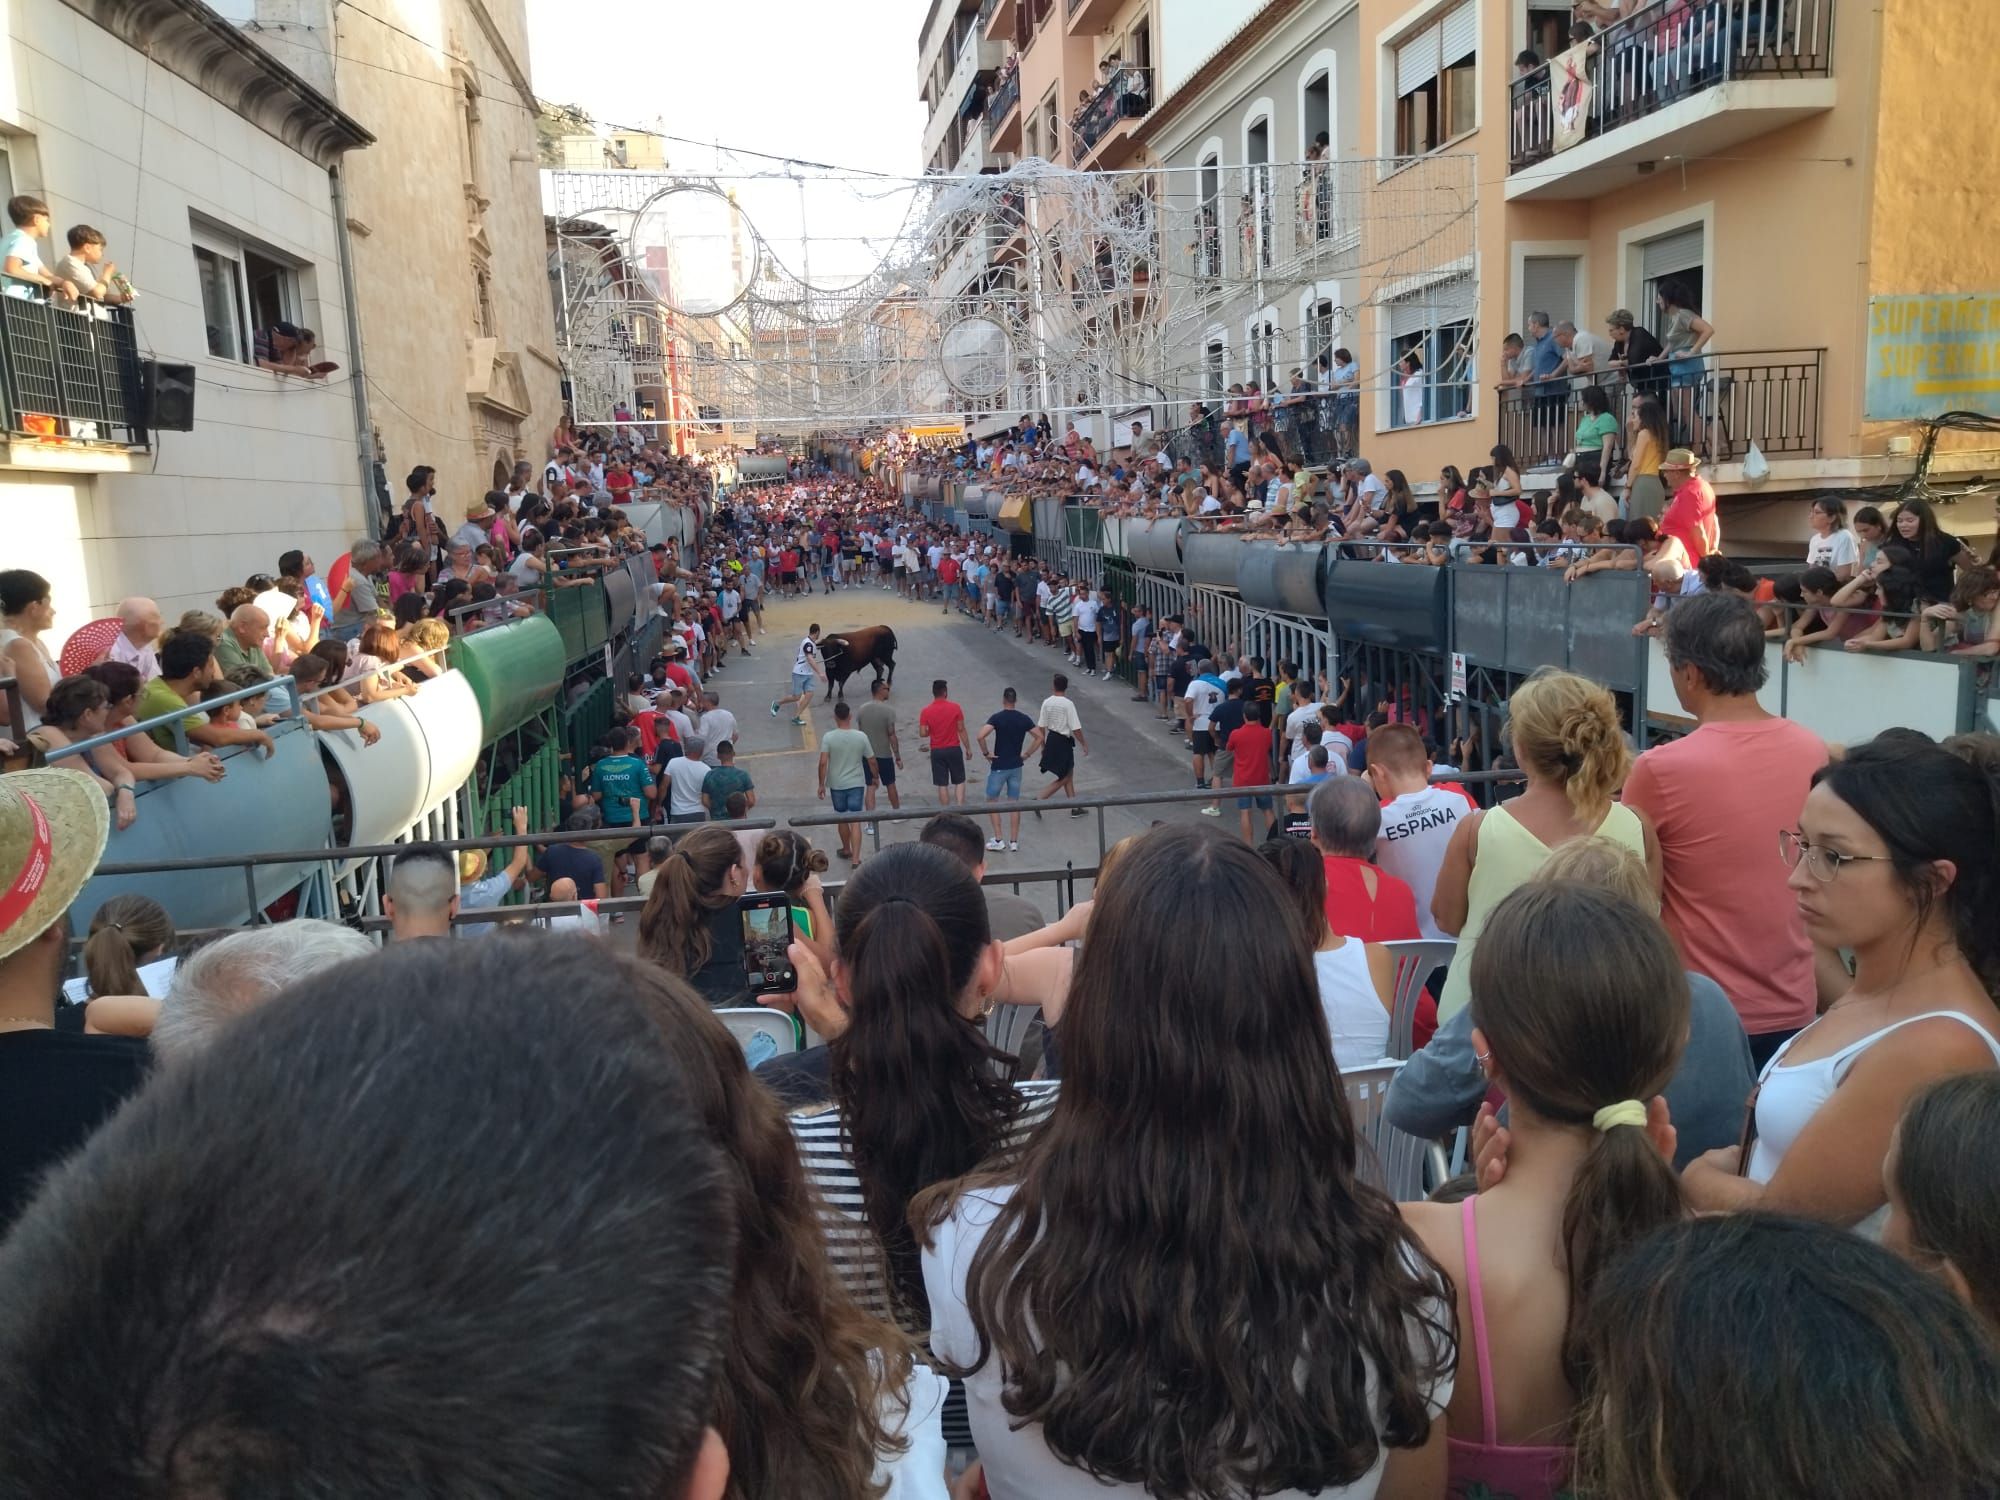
x=847, y=653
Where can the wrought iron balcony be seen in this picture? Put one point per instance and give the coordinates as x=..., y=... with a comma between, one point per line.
x=71, y=373
x=1006, y=97
x=1126, y=95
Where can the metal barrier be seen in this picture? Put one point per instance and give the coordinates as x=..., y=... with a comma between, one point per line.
x=71, y=373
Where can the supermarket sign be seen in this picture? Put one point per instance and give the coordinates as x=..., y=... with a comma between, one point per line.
x=1933, y=353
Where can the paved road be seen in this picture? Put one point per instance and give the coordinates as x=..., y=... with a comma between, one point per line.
x=1129, y=752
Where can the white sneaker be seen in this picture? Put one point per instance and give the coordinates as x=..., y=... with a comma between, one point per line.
x=995, y=844
x=1013, y=848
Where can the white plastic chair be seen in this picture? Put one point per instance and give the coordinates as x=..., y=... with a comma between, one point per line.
x=1415, y=959
x=750, y=1021
x=1007, y=1027
x=1390, y=1158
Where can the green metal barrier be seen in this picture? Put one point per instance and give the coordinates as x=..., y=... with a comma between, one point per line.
x=1121, y=582
x=584, y=723
x=578, y=611
x=514, y=671
x=536, y=784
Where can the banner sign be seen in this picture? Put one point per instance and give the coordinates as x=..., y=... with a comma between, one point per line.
x=1933, y=353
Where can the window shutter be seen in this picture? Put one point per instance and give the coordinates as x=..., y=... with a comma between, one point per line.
x=1408, y=316
x=1679, y=251
x=1548, y=284
x=1459, y=34
x=1417, y=60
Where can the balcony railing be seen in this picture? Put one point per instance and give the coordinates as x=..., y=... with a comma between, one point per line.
x=1716, y=404
x=1126, y=95
x=71, y=373
x=1660, y=55
x=1006, y=96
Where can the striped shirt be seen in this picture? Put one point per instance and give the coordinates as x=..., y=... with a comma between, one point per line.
x=852, y=1248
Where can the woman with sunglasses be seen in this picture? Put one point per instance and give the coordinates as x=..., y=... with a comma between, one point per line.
x=1893, y=861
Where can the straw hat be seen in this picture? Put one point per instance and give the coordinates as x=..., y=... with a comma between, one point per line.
x=471, y=865
x=1681, y=458
x=53, y=825
x=478, y=510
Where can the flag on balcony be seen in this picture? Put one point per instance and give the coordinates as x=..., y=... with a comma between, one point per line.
x=1569, y=77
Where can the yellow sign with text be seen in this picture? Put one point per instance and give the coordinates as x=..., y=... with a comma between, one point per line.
x=1933, y=353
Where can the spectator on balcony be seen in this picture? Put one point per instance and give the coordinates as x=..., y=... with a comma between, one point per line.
x=1340, y=376
x=26, y=611
x=137, y=641
x=1632, y=346
x=187, y=666
x=1514, y=363
x=21, y=267
x=1683, y=338
x=1583, y=355
x=286, y=349
x=1690, y=515
x=1645, y=448
x=1596, y=435
x=1543, y=353
x=1410, y=384
x=90, y=276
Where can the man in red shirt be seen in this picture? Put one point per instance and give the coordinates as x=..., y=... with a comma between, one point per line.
x=941, y=726
x=1690, y=515
x=1362, y=901
x=948, y=576
x=1250, y=743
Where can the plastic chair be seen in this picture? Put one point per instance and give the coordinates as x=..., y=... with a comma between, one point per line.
x=1007, y=1027
x=1416, y=958
x=1394, y=1160
x=748, y=1022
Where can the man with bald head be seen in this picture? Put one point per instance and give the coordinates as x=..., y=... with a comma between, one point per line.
x=242, y=642
x=137, y=642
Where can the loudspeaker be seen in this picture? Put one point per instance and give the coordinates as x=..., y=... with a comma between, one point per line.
x=169, y=396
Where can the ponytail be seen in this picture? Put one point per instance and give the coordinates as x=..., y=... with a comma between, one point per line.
x=125, y=930
x=1583, y=1042
x=690, y=887
x=920, y=1088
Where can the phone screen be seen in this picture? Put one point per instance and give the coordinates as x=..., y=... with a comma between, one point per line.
x=767, y=933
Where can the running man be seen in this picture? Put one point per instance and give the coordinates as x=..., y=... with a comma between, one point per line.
x=1003, y=741
x=805, y=667
x=1061, y=732
x=941, y=726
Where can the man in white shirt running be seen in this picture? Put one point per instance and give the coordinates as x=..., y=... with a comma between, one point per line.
x=1059, y=731
x=1418, y=819
x=805, y=667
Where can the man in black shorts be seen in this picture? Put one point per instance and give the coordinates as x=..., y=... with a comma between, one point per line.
x=877, y=720
x=941, y=726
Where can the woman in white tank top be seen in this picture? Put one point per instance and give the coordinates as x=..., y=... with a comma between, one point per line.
x=1357, y=980
x=1894, y=859
x=26, y=610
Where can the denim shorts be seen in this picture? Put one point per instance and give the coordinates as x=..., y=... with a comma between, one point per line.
x=1004, y=781
x=800, y=682
x=847, y=799
x=1263, y=804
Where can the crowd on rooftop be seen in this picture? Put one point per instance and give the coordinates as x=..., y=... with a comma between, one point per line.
x=522, y=1215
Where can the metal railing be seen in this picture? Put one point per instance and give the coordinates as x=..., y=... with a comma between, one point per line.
x=1659, y=55
x=71, y=373
x=1716, y=404
x=1126, y=95
x=1006, y=97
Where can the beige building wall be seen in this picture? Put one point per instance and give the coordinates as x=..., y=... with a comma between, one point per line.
x=450, y=264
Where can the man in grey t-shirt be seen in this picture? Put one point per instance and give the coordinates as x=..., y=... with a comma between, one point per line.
x=877, y=720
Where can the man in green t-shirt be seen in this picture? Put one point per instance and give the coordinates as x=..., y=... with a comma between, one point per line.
x=724, y=782
x=843, y=773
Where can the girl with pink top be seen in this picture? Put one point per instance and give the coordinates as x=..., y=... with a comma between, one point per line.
x=1580, y=1009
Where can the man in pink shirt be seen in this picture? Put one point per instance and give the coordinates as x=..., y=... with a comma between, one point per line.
x=1718, y=798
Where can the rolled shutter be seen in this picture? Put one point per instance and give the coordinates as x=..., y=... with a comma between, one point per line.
x=1672, y=253
x=1459, y=34
x=1548, y=284
x=1417, y=60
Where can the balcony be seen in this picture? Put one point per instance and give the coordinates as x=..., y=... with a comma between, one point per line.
x=1671, y=80
x=1716, y=404
x=996, y=21
x=1103, y=127
x=1003, y=112
x=972, y=160
x=1089, y=17
x=70, y=377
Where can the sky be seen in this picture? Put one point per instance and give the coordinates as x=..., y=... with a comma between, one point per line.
x=832, y=83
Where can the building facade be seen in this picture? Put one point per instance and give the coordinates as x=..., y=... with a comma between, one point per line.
x=213, y=172
x=446, y=221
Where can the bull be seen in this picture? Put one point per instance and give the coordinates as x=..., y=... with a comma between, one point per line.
x=847, y=653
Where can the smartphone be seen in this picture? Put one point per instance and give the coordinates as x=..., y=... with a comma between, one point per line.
x=767, y=934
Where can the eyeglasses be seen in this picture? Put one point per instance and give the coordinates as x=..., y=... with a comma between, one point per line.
x=1821, y=863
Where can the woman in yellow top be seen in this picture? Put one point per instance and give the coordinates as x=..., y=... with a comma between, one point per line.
x=1645, y=444
x=1568, y=741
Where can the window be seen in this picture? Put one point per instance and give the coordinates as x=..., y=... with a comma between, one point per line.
x=704, y=354
x=243, y=288
x=1258, y=198
x=1208, y=222
x=1676, y=256
x=1437, y=325
x=1215, y=363
x=1437, y=82
x=1319, y=334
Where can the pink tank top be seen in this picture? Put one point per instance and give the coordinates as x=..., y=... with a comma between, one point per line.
x=1489, y=1468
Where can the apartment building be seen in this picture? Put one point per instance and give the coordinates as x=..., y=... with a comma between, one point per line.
x=1796, y=170
x=214, y=173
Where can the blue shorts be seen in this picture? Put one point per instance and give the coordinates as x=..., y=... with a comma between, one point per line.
x=847, y=799
x=800, y=682
x=1003, y=781
x=1263, y=804
x=885, y=769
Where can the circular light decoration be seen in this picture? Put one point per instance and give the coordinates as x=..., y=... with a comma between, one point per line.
x=695, y=248
x=931, y=392
x=976, y=355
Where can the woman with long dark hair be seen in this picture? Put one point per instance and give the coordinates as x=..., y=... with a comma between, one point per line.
x=1580, y=1010
x=1183, y=1287
x=1645, y=445
x=1892, y=861
x=813, y=1390
x=919, y=1095
x=689, y=925
x=1937, y=551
